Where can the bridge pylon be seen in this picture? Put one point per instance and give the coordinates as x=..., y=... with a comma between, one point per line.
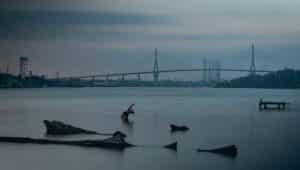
x=155, y=67
x=252, y=69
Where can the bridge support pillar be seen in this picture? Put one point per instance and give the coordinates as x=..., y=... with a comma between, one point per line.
x=139, y=76
x=107, y=77
x=123, y=77
x=92, y=81
x=155, y=75
x=204, y=70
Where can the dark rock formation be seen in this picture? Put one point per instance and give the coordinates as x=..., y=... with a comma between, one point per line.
x=60, y=128
x=230, y=150
x=175, y=128
x=172, y=146
x=109, y=143
x=106, y=143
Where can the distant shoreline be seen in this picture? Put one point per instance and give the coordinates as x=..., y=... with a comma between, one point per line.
x=76, y=87
x=282, y=79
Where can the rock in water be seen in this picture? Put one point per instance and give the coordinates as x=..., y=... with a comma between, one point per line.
x=229, y=150
x=60, y=128
x=175, y=128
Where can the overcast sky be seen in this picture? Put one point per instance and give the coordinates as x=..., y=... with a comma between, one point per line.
x=79, y=37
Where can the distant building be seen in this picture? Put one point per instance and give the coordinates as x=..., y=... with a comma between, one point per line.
x=23, y=64
x=211, y=71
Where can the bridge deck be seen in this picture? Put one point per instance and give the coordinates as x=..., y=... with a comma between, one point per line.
x=162, y=71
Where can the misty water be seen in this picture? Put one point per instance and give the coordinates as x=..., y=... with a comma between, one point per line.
x=216, y=117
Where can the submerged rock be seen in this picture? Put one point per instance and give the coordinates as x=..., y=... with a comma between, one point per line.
x=175, y=128
x=229, y=150
x=109, y=143
x=172, y=146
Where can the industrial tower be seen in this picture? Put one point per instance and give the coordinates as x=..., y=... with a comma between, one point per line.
x=23, y=66
x=205, y=70
x=252, y=66
x=155, y=68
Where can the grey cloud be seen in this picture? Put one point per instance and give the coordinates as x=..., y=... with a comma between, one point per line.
x=39, y=24
x=76, y=17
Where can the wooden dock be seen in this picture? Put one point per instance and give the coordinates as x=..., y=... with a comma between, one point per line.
x=268, y=105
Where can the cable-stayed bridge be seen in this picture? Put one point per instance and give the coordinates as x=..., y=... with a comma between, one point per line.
x=140, y=73
x=208, y=70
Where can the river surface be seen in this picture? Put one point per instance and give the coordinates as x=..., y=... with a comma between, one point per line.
x=266, y=140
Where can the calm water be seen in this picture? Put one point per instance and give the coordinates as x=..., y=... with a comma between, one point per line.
x=266, y=140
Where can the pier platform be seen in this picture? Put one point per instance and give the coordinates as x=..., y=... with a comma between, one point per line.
x=269, y=105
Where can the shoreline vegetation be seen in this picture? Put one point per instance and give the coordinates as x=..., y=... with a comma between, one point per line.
x=282, y=79
x=12, y=81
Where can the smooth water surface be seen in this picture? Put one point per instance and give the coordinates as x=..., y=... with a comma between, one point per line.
x=216, y=117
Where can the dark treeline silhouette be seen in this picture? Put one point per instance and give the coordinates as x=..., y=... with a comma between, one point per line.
x=282, y=79
x=11, y=81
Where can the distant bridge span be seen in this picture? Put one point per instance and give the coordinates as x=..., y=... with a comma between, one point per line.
x=211, y=72
x=123, y=74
